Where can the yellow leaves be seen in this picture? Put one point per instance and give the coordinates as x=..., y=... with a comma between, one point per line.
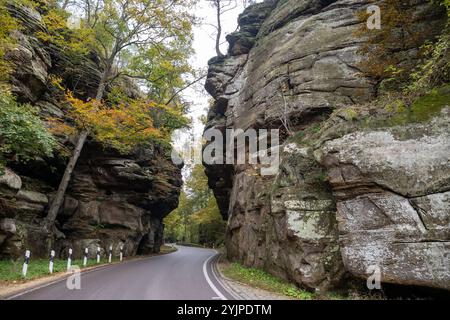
x=59, y=128
x=7, y=24
x=59, y=33
x=122, y=126
x=56, y=82
x=54, y=20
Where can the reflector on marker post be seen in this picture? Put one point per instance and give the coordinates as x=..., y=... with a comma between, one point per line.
x=52, y=256
x=69, y=260
x=110, y=254
x=121, y=253
x=25, y=263
x=98, y=254
x=85, y=257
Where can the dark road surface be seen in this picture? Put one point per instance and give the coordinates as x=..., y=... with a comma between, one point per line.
x=183, y=275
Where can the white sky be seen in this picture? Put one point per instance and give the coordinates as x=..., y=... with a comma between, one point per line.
x=204, y=46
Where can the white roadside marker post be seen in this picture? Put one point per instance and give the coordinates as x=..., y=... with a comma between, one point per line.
x=110, y=254
x=85, y=257
x=52, y=257
x=69, y=260
x=121, y=253
x=98, y=254
x=25, y=263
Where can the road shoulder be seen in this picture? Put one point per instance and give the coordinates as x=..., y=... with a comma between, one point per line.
x=239, y=290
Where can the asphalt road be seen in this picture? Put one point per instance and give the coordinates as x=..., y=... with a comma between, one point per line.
x=183, y=275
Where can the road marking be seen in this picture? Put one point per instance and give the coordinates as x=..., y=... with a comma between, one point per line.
x=228, y=289
x=211, y=284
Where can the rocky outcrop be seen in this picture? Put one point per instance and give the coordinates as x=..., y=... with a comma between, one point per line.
x=392, y=191
x=346, y=196
x=119, y=200
x=113, y=199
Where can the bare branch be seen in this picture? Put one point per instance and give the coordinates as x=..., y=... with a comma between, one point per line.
x=184, y=88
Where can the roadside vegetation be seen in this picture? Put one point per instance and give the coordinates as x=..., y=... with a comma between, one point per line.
x=263, y=280
x=260, y=279
x=11, y=270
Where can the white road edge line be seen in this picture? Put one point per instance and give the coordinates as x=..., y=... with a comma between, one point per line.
x=211, y=284
x=229, y=290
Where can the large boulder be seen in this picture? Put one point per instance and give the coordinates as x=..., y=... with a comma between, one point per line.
x=391, y=187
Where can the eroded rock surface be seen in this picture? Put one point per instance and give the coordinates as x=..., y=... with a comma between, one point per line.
x=345, y=197
x=392, y=192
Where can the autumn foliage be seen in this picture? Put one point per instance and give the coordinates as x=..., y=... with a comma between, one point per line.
x=124, y=125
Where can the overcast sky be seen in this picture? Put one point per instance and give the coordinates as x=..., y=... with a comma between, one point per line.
x=204, y=46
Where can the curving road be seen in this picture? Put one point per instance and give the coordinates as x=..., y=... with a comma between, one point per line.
x=186, y=274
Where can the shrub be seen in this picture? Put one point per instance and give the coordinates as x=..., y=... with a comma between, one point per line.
x=23, y=134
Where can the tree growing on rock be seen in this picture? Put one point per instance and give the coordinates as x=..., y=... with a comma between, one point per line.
x=148, y=40
x=23, y=135
x=221, y=7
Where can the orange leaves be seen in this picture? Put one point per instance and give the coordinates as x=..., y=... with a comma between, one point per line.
x=122, y=126
x=59, y=128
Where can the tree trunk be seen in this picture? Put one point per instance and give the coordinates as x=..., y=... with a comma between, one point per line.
x=59, y=197
x=102, y=86
x=219, y=30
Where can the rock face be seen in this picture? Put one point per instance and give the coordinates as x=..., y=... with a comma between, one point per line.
x=345, y=197
x=112, y=199
x=391, y=188
x=119, y=200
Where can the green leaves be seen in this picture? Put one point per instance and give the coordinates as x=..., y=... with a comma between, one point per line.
x=148, y=40
x=7, y=24
x=197, y=218
x=23, y=134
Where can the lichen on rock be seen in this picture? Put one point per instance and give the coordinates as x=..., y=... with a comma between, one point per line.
x=354, y=187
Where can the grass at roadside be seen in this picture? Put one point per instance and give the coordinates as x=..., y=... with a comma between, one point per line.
x=188, y=244
x=167, y=249
x=11, y=270
x=263, y=280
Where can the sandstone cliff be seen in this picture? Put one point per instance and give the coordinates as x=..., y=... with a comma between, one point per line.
x=353, y=190
x=113, y=199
